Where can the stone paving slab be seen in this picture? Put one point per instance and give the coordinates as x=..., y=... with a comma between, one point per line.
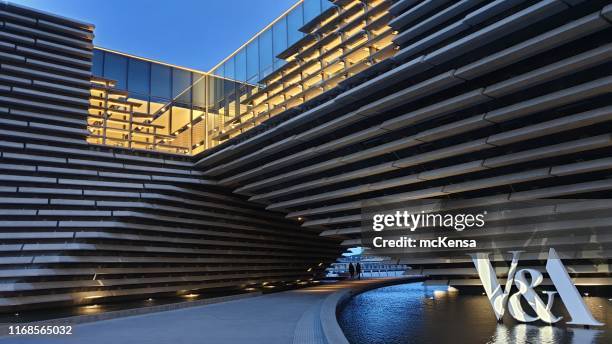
x=277, y=318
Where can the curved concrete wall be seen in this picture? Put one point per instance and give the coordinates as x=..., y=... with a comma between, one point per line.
x=80, y=223
x=507, y=99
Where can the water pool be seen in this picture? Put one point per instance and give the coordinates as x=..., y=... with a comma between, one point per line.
x=415, y=313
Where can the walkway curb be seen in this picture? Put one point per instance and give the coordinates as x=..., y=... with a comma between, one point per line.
x=329, y=320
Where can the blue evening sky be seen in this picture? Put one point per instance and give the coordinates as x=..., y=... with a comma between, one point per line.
x=191, y=33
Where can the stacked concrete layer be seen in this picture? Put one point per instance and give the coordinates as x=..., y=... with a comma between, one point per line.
x=500, y=99
x=80, y=223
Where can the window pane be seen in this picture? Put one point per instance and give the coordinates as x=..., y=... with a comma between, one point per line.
x=160, y=81
x=115, y=68
x=240, y=66
x=215, y=95
x=199, y=91
x=278, y=63
x=138, y=76
x=312, y=8
x=280, y=36
x=252, y=60
x=325, y=4
x=230, y=98
x=265, y=53
x=219, y=71
x=229, y=69
x=97, y=62
x=295, y=21
x=181, y=85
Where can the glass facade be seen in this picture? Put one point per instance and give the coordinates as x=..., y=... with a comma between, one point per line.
x=257, y=59
x=178, y=109
x=158, y=106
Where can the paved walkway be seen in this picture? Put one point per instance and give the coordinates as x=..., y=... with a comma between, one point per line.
x=290, y=317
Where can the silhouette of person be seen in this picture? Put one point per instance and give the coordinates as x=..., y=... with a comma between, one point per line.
x=351, y=270
x=358, y=270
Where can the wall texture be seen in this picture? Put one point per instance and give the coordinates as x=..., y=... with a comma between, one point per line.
x=500, y=99
x=505, y=99
x=80, y=222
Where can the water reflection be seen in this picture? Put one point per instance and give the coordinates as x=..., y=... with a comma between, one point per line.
x=524, y=333
x=414, y=313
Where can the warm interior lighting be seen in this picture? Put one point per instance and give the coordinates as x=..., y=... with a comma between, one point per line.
x=324, y=56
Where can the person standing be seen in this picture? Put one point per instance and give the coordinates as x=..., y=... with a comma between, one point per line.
x=351, y=270
x=358, y=270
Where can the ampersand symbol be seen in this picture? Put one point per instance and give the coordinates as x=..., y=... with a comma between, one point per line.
x=526, y=290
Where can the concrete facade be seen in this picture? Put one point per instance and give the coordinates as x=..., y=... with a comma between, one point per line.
x=499, y=100
x=506, y=98
x=81, y=223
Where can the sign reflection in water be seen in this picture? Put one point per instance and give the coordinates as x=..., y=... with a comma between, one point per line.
x=527, y=333
x=414, y=313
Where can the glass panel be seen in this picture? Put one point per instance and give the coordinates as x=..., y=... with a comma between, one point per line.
x=325, y=4
x=144, y=104
x=181, y=117
x=243, y=92
x=215, y=95
x=160, y=81
x=199, y=91
x=230, y=98
x=280, y=40
x=138, y=76
x=97, y=62
x=115, y=68
x=252, y=60
x=181, y=82
x=312, y=8
x=240, y=60
x=278, y=63
x=265, y=53
x=295, y=20
x=229, y=69
x=219, y=71
x=164, y=119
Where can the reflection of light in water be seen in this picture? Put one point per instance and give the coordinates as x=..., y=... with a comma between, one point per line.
x=581, y=335
x=439, y=293
x=405, y=314
x=525, y=333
